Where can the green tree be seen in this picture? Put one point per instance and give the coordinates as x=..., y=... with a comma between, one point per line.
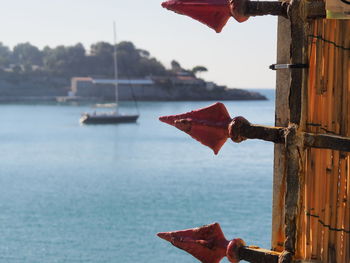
x=100, y=60
x=5, y=56
x=75, y=59
x=175, y=66
x=27, y=55
x=66, y=61
x=128, y=59
x=54, y=59
x=144, y=53
x=199, y=69
x=101, y=49
x=134, y=62
x=151, y=67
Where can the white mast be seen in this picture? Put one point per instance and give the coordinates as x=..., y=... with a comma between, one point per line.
x=115, y=66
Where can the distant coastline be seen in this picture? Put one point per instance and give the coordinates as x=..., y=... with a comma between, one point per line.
x=28, y=73
x=49, y=90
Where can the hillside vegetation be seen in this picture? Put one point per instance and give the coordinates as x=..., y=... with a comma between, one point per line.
x=26, y=59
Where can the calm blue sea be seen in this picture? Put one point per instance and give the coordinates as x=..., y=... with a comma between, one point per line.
x=72, y=193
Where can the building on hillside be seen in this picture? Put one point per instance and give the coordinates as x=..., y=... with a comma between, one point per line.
x=179, y=86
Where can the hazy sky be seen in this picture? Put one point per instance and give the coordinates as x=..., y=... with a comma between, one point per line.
x=237, y=57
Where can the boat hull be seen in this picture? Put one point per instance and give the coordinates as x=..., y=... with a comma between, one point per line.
x=108, y=119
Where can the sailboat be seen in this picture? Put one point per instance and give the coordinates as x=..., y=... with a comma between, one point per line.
x=114, y=116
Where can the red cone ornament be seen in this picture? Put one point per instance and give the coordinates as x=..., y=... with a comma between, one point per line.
x=208, y=125
x=207, y=243
x=213, y=13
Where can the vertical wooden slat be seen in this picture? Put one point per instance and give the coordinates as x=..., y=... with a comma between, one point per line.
x=347, y=88
x=328, y=123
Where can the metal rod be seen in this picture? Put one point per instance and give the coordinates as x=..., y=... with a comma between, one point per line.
x=258, y=255
x=261, y=8
x=288, y=66
x=309, y=10
x=266, y=133
x=240, y=129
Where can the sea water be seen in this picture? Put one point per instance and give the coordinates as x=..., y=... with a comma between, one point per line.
x=100, y=193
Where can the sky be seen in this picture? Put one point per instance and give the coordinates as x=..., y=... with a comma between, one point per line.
x=238, y=57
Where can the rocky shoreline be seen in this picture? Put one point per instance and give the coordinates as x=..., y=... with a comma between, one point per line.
x=31, y=91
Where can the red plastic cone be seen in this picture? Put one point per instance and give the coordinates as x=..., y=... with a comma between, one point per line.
x=208, y=125
x=213, y=13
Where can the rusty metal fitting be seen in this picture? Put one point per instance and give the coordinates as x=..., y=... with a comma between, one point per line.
x=238, y=10
x=232, y=252
x=235, y=129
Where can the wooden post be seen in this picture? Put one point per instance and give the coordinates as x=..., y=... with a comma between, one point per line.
x=281, y=120
x=298, y=56
x=294, y=141
x=294, y=144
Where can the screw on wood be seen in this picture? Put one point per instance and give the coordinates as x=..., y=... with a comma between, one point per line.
x=215, y=13
x=212, y=126
x=209, y=245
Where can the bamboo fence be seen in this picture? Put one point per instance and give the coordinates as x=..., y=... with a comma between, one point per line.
x=324, y=222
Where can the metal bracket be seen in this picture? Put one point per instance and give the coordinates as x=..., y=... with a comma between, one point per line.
x=288, y=66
